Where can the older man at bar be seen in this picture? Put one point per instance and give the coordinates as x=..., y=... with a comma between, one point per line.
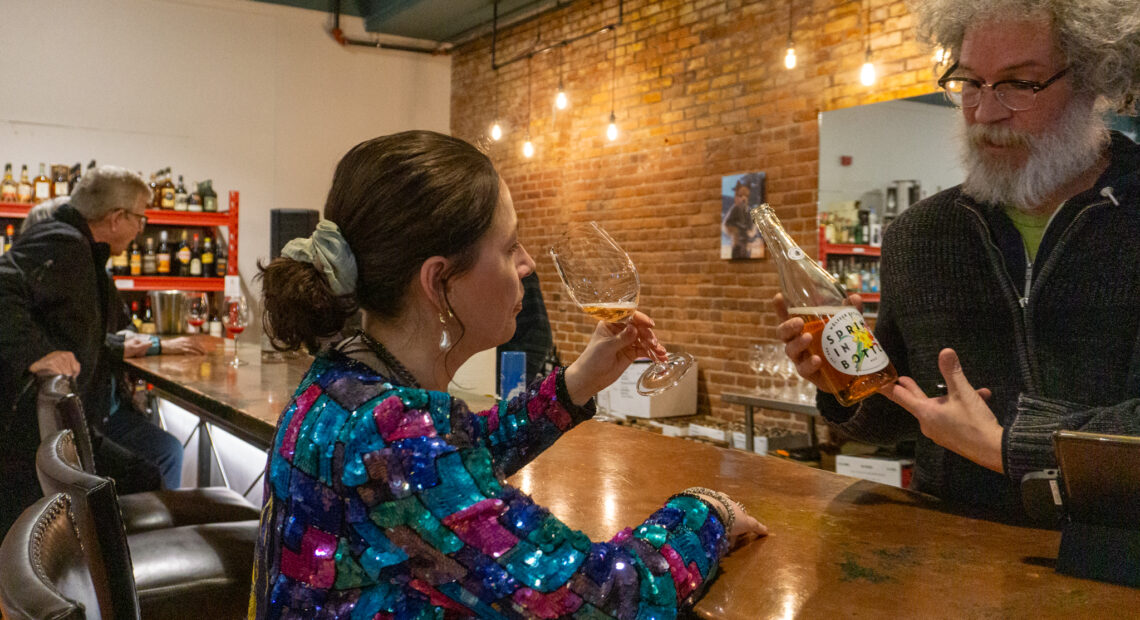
x=1017, y=290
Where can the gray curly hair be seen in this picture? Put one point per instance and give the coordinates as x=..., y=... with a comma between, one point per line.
x=1100, y=38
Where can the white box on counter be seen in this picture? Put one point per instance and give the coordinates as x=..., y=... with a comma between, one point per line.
x=884, y=470
x=622, y=398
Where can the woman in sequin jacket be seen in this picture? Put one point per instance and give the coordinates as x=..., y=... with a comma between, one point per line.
x=386, y=496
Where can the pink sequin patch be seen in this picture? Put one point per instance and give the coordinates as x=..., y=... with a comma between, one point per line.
x=478, y=525
x=622, y=536
x=439, y=599
x=551, y=605
x=394, y=421
x=682, y=578
x=304, y=402
x=545, y=404
x=315, y=564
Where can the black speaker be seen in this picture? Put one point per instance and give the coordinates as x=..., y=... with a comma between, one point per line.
x=288, y=224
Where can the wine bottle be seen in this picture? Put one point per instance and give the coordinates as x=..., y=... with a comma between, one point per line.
x=149, y=259
x=135, y=259
x=854, y=363
x=195, y=258
x=181, y=198
x=163, y=256
x=209, y=197
x=182, y=262
x=208, y=259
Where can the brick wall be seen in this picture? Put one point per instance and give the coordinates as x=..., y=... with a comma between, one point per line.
x=700, y=92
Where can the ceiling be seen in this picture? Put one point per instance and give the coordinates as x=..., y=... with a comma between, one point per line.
x=440, y=21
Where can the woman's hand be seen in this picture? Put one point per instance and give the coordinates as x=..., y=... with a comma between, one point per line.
x=610, y=351
x=744, y=526
x=796, y=342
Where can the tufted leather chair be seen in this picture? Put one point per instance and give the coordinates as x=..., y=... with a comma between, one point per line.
x=45, y=572
x=202, y=569
x=59, y=408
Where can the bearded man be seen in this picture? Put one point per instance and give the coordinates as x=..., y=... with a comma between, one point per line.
x=1019, y=290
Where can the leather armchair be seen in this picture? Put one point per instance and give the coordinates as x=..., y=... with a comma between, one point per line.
x=45, y=573
x=59, y=408
x=205, y=568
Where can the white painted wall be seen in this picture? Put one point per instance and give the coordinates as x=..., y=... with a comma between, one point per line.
x=257, y=97
x=887, y=141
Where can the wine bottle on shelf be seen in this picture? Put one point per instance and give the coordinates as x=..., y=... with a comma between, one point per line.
x=182, y=260
x=854, y=363
x=209, y=197
x=135, y=259
x=59, y=184
x=155, y=197
x=121, y=264
x=136, y=318
x=163, y=262
x=221, y=260
x=208, y=259
x=147, y=318
x=42, y=185
x=149, y=259
x=24, y=192
x=195, y=258
x=194, y=200
x=180, y=196
x=8, y=191
x=166, y=191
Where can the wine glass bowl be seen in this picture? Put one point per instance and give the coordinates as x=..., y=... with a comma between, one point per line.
x=197, y=309
x=235, y=318
x=602, y=280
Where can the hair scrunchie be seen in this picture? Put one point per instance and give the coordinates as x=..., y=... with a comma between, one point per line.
x=327, y=250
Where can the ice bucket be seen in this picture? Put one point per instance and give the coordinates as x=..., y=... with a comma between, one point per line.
x=169, y=308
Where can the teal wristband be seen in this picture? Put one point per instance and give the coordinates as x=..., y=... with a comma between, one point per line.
x=155, y=346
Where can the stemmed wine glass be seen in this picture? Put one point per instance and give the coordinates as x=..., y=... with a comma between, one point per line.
x=603, y=282
x=197, y=309
x=235, y=318
x=758, y=361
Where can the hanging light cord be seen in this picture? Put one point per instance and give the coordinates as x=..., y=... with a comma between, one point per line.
x=613, y=73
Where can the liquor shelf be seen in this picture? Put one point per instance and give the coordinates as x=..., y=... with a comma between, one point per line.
x=165, y=283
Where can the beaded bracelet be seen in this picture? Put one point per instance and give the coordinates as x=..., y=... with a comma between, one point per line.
x=725, y=512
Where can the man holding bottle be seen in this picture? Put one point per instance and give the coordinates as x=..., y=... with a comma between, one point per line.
x=1009, y=303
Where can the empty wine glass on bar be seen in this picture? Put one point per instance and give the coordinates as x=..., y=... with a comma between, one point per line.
x=235, y=318
x=197, y=310
x=603, y=282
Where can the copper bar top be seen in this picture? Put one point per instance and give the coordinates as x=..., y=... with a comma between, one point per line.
x=838, y=547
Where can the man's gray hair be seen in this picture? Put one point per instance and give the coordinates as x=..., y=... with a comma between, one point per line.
x=1100, y=38
x=106, y=189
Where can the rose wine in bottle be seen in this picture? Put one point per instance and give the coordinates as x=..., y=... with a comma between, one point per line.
x=854, y=363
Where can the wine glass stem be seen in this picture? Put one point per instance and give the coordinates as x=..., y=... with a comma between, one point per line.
x=235, y=363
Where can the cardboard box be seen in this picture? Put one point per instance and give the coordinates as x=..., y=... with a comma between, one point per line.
x=622, y=398
x=759, y=442
x=884, y=470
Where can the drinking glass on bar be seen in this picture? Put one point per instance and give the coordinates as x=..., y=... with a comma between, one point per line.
x=235, y=318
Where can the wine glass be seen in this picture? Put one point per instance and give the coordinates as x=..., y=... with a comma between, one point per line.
x=603, y=282
x=197, y=309
x=758, y=361
x=235, y=318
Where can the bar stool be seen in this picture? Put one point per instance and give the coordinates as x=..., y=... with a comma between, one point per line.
x=205, y=568
x=45, y=571
x=59, y=408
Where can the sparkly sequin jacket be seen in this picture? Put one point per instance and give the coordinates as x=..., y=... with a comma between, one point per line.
x=390, y=502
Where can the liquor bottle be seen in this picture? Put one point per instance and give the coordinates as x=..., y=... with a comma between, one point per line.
x=221, y=262
x=59, y=184
x=182, y=260
x=194, y=200
x=209, y=197
x=9, y=237
x=149, y=260
x=155, y=197
x=163, y=255
x=195, y=258
x=8, y=191
x=854, y=363
x=24, y=191
x=147, y=326
x=208, y=259
x=136, y=319
x=121, y=264
x=42, y=186
x=166, y=191
x=74, y=175
x=135, y=259
x=180, y=196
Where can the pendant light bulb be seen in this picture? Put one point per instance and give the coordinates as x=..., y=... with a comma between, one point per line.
x=867, y=73
x=528, y=148
x=496, y=132
x=790, y=57
x=612, y=130
x=561, y=100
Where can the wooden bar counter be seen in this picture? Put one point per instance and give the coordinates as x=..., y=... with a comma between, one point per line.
x=838, y=547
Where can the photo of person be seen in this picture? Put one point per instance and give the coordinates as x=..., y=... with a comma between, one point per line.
x=739, y=237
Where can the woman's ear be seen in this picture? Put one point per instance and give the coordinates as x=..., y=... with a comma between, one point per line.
x=432, y=280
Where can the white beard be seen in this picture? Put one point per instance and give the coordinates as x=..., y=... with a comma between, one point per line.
x=1056, y=157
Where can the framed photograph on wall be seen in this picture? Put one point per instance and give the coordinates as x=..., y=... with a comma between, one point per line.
x=739, y=237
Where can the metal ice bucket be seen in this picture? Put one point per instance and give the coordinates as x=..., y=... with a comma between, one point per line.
x=169, y=308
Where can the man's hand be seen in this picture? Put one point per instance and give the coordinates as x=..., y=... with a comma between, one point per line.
x=184, y=345
x=796, y=342
x=56, y=363
x=961, y=421
x=135, y=345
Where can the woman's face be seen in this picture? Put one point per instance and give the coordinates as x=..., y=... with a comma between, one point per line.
x=489, y=296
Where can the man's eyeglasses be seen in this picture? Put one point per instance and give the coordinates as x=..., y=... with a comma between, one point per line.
x=142, y=218
x=1017, y=95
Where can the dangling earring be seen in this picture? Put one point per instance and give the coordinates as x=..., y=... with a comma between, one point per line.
x=445, y=336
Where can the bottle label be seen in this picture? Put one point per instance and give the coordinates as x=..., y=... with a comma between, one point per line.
x=849, y=346
x=43, y=190
x=163, y=262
